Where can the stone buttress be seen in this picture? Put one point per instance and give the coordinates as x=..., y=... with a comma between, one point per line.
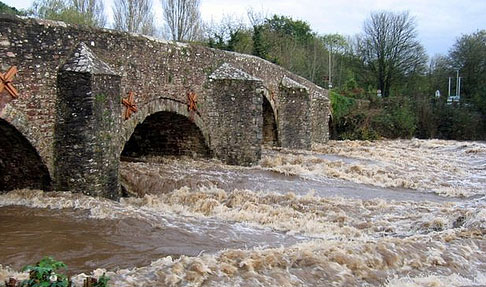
x=235, y=116
x=88, y=120
x=294, y=115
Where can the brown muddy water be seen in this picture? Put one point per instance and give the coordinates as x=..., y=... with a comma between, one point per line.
x=86, y=243
x=387, y=213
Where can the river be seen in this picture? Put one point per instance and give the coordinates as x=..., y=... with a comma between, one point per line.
x=384, y=213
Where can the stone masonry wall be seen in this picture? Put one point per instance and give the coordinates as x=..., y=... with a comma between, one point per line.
x=156, y=71
x=320, y=113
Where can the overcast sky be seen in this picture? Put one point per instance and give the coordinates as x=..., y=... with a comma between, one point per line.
x=439, y=22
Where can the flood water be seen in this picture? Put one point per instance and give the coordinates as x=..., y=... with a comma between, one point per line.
x=387, y=213
x=86, y=243
x=161, y=175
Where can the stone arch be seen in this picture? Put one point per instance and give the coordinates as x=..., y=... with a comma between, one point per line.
x=270, y=133
x=271, y=97
x=19, y=122
x=21, y=166
x=177, y=117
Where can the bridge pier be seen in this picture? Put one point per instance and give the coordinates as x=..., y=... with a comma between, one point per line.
x=235, y=116
x=87, y=125
x=294, y=119
x=320, y=118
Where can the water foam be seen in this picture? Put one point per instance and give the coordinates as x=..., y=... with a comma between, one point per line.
x=448, y=168
x=347, y=242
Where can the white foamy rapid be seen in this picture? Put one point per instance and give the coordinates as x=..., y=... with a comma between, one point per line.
x=448, y=168
x=349, y=242
x=342, y=241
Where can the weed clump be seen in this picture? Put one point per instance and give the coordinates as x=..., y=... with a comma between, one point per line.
x=45, y=274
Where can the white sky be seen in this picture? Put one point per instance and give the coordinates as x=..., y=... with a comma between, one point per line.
x=439, y=22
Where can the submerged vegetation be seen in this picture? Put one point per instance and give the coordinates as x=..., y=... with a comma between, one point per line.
x=45, y=273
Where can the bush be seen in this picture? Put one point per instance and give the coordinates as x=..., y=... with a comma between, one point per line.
x=355, y=126
x=341, y=105
x=352, y=90
x=460, y=123
x=44, y=274
x=397, y=120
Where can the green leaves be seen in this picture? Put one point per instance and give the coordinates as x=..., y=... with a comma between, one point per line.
x=4, y=8
x=49, y=262
x=341, y=106
x=102, y=281
x=84, y=12
x=43, y=274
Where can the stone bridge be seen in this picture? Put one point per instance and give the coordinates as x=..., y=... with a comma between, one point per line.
x=69, y=125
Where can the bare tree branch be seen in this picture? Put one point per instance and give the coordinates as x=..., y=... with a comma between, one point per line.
x=389, y=48
x=94, y=9
x=134, y=16
x=182, y=19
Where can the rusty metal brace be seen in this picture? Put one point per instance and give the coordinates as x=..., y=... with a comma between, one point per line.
x=191, y=104
x=6, y=82
x=130, y=106
x=192, y=101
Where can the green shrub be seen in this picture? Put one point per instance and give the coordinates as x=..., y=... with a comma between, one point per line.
x=460, y=123
x=341, y=105
x=44, y=274
x=397, y=120
x=102, y=281
x=356, y=126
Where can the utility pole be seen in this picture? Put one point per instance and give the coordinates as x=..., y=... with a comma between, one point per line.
x=457, y=97
x=458, y=86
x=449, y=93
x=330, y=67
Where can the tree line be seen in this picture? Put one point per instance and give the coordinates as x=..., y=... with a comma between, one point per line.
x=182, y=20
x=382, y=83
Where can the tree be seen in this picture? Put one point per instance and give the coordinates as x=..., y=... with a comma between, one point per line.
x=468, y=56
x=134, y=16
x=230, y=34
x=260, y=48
x=336, y=45
x=93, y=9
x=389, y=48
x=84, y=12
x=286, y=42
x=439, y=71
x=182, y=19
x=299, y=30
x=4, y=8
